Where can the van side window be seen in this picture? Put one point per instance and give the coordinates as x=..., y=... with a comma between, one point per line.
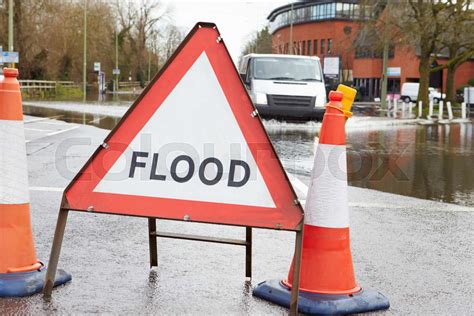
x=249, y=70
x=243, y=66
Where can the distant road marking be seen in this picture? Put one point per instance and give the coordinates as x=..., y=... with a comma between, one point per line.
x=47, y=189
x=53, y=133
x=42, y=119
x=36, y=129
x=63, y=131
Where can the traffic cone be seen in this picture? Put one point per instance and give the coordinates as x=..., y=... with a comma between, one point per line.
x=21, y=273
x=327, y=282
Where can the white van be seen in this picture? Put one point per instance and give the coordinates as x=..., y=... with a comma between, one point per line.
x=410, y=93
x=285, y=86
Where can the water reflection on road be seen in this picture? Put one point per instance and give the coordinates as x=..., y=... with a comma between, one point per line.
x=430, y=162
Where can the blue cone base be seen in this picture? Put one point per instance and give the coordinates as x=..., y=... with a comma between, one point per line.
x=28, y=283
x=322, y=304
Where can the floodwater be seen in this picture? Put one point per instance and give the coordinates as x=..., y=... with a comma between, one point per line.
x=430, y=162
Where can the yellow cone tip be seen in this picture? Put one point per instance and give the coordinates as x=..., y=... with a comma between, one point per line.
x=349, y=96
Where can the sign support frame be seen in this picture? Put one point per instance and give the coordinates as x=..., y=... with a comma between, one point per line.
x=153, y=234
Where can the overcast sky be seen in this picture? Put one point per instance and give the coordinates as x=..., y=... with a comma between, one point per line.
x=236, y=20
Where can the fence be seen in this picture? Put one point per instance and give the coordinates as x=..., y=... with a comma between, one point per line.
x=400, y=109
x=45, y=87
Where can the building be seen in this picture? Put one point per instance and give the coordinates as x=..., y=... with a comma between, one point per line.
x=329, y=28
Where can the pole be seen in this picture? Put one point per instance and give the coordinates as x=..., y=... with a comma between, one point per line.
x=10, y=27
x=386, y=47
x=84, y=66
x=440, y=112
x=149, y=64
x=291, y=30
x=248, y=252
x=152, y=242
x=116, y=62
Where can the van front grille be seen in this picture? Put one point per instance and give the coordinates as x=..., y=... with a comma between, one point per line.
x=290, y=100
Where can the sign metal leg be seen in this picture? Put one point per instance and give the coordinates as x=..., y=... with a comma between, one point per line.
x=153, y=242
x=248, y=252
x=296, y=274
x=55, y=251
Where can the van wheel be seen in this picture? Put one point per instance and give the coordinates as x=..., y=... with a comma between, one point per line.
x=406, y=99
x=435, y=100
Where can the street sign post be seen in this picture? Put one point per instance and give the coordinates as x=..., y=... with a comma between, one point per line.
x=11, y=57
x=96, y=66
x=331, y=66
x=191, y=148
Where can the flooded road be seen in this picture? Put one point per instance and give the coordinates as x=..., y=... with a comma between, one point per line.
x=430, y=162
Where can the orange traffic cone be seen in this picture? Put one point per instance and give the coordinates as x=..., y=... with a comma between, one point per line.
x=327, y=282
x=21, y=273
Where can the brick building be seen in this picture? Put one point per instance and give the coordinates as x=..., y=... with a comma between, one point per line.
x=331, y=27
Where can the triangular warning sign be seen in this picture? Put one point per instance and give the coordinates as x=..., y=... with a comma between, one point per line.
x=190, y=148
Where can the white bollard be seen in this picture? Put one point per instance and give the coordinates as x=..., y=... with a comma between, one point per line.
x=430, y=112
x=403, y=109
x=450, y=110
x=410, y=109
x=420, y=109
x=463, y=111
x=440, y=112
x=395, y=103
x=389, y=106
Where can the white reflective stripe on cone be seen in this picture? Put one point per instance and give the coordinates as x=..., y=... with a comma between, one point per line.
x=13, y=167
x=326, y=202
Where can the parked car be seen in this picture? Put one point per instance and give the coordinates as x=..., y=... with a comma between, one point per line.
x=285, y=86
x=410, y=93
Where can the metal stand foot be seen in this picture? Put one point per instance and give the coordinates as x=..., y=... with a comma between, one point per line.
x=55, y=251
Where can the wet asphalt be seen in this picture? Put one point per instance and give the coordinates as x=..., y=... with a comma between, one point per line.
x=417, y=252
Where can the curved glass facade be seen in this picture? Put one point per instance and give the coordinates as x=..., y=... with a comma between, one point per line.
x=308, y=12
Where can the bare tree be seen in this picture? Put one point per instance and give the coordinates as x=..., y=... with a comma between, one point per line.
x=171, y=37
x=457, y=41
x=261, y=42
x=421, y=23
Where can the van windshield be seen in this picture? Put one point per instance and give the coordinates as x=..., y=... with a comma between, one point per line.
x=299, y=69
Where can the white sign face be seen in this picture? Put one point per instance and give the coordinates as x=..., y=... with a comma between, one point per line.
x=116, y=71
x=11, y=57
x=331, y=66
x=394, y=71
x=97, y=66
x=187, y=156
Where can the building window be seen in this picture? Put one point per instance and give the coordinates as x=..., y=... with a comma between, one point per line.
x=309, y=47
x=322, y=47
x=329, y=46
x=315, y=47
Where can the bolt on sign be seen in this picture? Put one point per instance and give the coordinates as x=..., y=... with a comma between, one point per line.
x=192, y=147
